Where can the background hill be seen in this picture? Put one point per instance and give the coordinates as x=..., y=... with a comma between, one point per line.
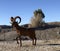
x=50, y=30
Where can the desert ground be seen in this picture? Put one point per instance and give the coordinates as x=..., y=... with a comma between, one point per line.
x=42, y=45
x=48, y=40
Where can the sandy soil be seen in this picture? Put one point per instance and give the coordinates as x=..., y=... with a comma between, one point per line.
x=42, y=45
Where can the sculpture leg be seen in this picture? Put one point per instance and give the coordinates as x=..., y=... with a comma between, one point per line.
x=20, y=41
x=17, y=39
x=35, y=40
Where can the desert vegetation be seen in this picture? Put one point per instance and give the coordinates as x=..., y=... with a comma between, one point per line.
x=37, y=19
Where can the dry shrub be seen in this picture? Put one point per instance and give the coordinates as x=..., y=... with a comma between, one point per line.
x=35, y=21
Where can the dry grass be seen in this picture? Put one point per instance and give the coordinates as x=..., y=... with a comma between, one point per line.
x=42, y=45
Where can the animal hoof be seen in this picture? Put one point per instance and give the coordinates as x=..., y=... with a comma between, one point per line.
x=20, y=45
x=17, y=42
x=34, y=44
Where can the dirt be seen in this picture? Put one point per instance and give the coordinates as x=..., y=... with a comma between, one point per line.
x=42, y=45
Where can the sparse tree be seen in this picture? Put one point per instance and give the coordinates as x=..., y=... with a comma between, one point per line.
x=39, y=11
x=37, y=19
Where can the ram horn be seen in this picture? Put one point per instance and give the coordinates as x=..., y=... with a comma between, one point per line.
x=12, y=19
x=19, y=19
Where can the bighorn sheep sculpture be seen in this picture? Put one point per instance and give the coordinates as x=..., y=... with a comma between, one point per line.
x=22, y=31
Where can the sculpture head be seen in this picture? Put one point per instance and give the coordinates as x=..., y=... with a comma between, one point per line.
x=14, y=22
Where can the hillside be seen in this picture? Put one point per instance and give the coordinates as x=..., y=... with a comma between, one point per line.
x=51, y=30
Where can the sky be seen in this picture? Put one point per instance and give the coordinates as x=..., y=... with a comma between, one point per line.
x=25, y=9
